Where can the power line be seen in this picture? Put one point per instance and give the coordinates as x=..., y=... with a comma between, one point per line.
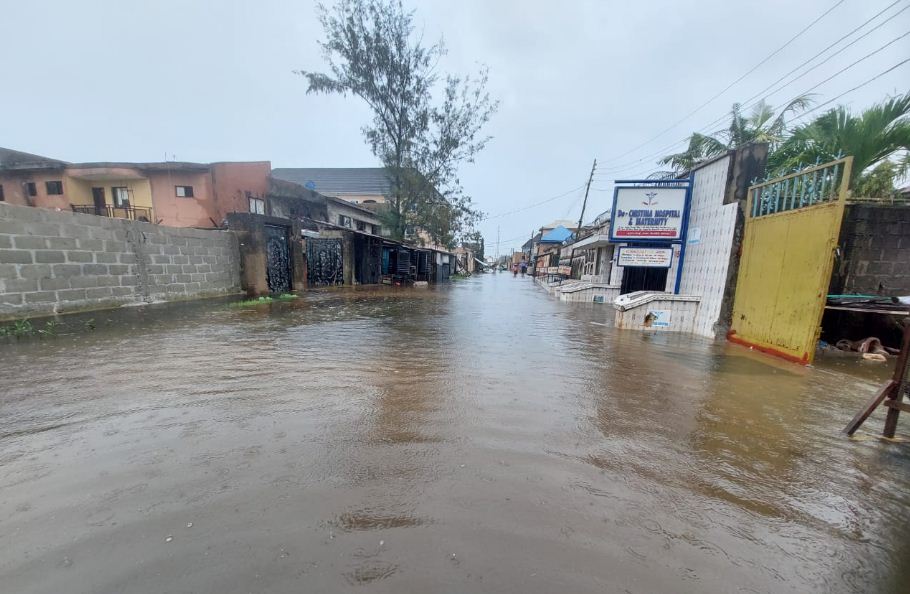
x=857, y=87
x=545, y=201
x=812, y=88
x=826, y=60
x=848, y=67
x=518, y=237
x=830, y=78
x=732, y=84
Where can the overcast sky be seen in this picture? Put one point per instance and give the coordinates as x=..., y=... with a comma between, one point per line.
x=211, y=81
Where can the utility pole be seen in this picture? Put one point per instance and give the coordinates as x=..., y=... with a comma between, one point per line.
x=585, y=202
x=497, y=245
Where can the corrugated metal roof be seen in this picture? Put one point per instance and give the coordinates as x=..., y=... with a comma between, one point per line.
x=338, y=180
x=557, y=235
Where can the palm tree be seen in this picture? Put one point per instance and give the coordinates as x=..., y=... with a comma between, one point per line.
x=761, y=125
x=878, y=133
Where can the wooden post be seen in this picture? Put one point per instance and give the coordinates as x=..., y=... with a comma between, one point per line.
x=894, y=401
x=889, y=394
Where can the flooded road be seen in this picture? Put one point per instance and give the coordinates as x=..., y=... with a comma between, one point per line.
x=476, y=438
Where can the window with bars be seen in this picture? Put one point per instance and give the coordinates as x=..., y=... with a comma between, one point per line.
x=54, y=188
x=184, y=191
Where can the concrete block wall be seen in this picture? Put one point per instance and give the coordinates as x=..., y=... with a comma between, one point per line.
x=875, y=251
x=56, y=262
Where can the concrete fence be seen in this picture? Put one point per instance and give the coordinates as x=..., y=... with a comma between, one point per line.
x=55, y=262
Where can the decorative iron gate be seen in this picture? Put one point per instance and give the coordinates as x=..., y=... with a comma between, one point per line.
x=403, y=267
x=792, y=227
x=278, y=262
x=325, y=265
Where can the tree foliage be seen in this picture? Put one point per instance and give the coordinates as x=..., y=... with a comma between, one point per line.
x=762, y=124
x=872, y=137
x=372, y=52
x=878, y=139
x=474, y=241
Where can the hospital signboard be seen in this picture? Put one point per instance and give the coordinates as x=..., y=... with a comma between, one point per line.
x=648, y=214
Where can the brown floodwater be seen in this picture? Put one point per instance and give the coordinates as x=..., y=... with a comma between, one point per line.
x=480, y=437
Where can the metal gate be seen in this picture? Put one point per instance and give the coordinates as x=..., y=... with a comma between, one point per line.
x=792, y=227
x=324, y=262
x=278, y=262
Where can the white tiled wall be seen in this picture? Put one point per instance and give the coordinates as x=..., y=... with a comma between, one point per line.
x=683, y=314
x=706, y=262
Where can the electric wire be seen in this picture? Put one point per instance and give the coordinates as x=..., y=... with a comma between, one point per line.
x=806, y=92
x=748, y=103
x=551, y=199
x=732, y=84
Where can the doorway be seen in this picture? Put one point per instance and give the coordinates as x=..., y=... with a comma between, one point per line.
x=99, y=201
x=643, y=278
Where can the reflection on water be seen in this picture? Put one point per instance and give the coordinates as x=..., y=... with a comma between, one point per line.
x=478, y=437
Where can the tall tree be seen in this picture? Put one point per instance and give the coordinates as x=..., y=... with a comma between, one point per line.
x=876, y=135
x=372, y=52
x=763, y=124
x=474, y=241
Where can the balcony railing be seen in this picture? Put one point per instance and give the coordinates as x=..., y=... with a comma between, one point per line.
x=133, y=213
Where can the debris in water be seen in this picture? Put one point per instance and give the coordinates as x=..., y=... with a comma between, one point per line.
x=381, y=542
x=169, y=538
x=189, y=524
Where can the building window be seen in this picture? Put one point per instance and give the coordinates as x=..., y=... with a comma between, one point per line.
x=376, y=230
x=54, y=188
x=184, y=191
x=257, y=206
x=361, y=226
x=344, y=221
x=121, y=196
x=31, y=188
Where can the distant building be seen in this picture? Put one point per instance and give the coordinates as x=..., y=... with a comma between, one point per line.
x=466, y=259
x=360, y=185
x=549, y=246
x=177, y=194
x=367, y=187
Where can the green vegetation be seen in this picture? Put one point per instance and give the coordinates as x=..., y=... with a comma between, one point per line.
x=25, y=329
x=425, y=125
x=878, y=139
x=761, y=125
x=263, y=300
x=872, y=138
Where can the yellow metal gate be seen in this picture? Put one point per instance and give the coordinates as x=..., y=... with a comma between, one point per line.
x=792, y=227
